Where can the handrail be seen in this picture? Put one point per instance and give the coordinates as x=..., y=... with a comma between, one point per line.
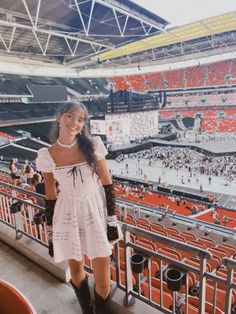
x=157, y=211
x=168, y=241
x=23, y=223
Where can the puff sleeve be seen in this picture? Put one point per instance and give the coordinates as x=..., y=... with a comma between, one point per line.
x=99, y=148
x=44, y=161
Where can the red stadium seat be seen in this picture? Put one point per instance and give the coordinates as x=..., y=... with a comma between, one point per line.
x=228, y=248
x=143, y=221
x=156, y=296
x=171, y=231
x=220, y=296
x=122, y=275
x=13, y=301
x=156, y=225
x=146, y=243
x=193, y=305
x=188, y=236
x=207, y=242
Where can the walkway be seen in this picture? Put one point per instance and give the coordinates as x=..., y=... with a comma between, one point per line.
x=47, y=294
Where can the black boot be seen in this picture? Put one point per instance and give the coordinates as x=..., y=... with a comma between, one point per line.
x=83, y=296
x=101, y=305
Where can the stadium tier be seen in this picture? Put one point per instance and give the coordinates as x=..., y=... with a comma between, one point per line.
x=215, y=74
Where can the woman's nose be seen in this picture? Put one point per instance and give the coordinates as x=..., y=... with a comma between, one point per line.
x=74, y=122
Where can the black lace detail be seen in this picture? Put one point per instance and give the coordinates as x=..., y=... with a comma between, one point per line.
x=110, y=199
x=112, y=233
x=49, y=210
x=74, y=174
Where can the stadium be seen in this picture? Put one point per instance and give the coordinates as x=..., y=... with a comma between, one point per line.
x=162, y=98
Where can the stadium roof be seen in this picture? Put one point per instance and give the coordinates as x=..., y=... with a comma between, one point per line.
x=60, y=31
x=203, y=28
x=84, y=38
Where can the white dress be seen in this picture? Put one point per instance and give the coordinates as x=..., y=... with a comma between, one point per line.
x=79, y=217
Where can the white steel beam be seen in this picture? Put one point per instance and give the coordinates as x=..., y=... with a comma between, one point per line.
x=37, y=13
x=76, y=46
x=28, y=12
x=71, y=51
x=36, y=37
x=53, y=33
x=44, y=22
x=11, y=40
x=121, y=9
x=126, y=21
x=90, y=17
x=46, y=46
x=4, y=44
x=149, y=30
x=117, y=21
x=80, y=15
x=144, y=29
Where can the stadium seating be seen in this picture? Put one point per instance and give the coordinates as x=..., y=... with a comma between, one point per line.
x=213, y=74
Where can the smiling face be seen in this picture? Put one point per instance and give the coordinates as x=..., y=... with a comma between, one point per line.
x=72, y=121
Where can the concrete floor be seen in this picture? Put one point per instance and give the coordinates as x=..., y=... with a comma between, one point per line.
x=46, y=293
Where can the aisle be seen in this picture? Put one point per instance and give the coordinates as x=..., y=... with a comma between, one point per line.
x=47, y=294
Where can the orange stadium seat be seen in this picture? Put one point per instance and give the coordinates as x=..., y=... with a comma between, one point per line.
x=188, y=236
x=146, y=243
x=207, y=242
x=193, y=306
x=220, y=296
x=171, y=231
x=122, y=276
x=13, y=301
x=156, y=296
x=156, y=225
x=228, y=248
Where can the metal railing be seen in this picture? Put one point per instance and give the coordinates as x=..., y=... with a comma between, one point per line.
x=206, y=293
x=17, y=209
x=196, y=277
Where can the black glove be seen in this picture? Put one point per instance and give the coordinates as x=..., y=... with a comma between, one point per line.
x=49, y=211
x=112, y=229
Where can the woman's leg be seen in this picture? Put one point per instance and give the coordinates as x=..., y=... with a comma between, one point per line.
x=101, y=271
x=80, y=285
x=77, y=271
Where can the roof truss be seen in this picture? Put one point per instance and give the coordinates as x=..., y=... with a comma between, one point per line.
x=25, y=30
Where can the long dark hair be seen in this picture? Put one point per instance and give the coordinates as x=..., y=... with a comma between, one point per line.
x=11, y=163
x=84, y=141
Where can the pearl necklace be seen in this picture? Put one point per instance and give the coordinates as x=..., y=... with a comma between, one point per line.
x=65, y=145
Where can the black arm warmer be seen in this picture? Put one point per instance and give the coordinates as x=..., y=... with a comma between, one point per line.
x=110, y=199
x=49, y=211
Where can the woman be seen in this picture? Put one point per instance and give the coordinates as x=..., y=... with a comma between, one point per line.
x=77, y=162
x=29, y=172
x=38, y=184
x=14, y=171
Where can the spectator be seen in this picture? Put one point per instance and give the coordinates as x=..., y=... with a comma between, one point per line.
x=29, y=172
x=216, y=217
x=14, y=171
